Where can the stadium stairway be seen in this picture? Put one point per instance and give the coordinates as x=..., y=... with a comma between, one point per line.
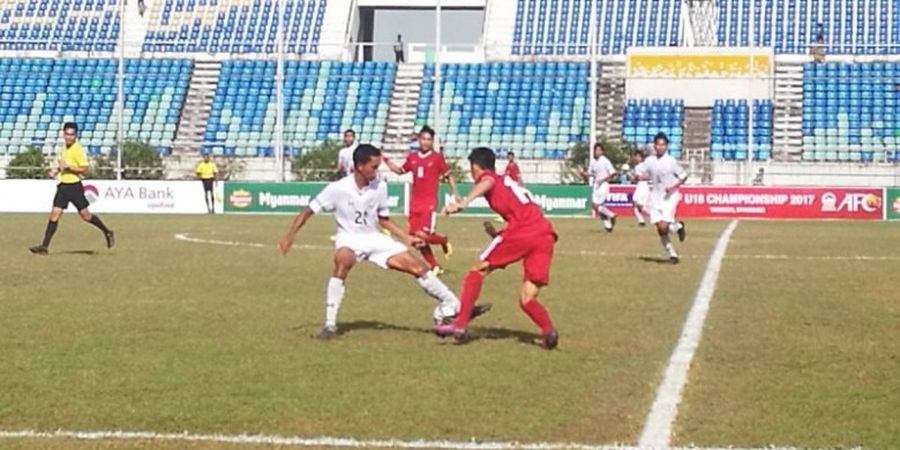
x=610, y=100
x=697, y=126
x=332, y=43
x=787, y=117
x=197, y=105
x=498, y=36
x=401, y=119
x=136, y=28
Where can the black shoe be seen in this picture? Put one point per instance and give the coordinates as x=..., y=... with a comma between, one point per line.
x=478, y=310
x=327, y=334
x=682, y=233
x=110, y=238
x=642, y=224
x=38, y=250
x=550, y=340
x=490, y=229
x=613, y=221
x=674, y=260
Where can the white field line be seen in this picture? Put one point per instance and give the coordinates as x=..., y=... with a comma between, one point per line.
x=297, y=441
x=658, y=427
x=186, y=237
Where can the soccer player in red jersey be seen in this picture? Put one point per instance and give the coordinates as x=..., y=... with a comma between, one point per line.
x=512, y=169
x=428, y=168
x=528, y=237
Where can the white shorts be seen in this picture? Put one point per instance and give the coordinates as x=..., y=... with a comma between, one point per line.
x=600, y=194
x=641, y=195
x=663, y=210
x=375, y=248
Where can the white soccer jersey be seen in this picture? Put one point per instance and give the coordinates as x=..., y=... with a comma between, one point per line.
x=663, y=173
x=600, y=169
x=356, y=210
x=345, y=159
x=641, y=171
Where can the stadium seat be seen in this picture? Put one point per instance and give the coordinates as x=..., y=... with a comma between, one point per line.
x=644, y=118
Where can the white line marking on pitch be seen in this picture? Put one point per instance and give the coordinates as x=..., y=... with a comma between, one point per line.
x=658, y=427
x=186, y=237
x=297, y=441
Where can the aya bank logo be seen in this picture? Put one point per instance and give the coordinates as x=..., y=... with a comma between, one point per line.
x=91, y=193
x=851, y=202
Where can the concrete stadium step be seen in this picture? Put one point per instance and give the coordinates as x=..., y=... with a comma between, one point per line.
x=198, y=102
x=787, y=112
x=402, y=107
x=610, y=100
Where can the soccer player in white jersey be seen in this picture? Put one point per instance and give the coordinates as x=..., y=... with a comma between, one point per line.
x=641, y=196
x=601, y=172
x=666, y=177
x=345, y=155
x=360, y=205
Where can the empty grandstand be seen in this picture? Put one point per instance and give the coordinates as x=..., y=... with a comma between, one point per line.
x=204, y=76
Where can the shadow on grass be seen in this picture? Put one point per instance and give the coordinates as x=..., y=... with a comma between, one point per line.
x=494, y=334
x=655, y=259
x=78, y=252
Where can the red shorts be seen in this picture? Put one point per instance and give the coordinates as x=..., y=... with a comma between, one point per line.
x=535, y=252
x=424, y=220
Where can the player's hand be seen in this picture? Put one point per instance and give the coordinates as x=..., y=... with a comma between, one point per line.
x=452, y=208
x=671, y=189
x=62, y=164
x=53, y=173
x=416, y=242
x=285, y=244
x=457, y=199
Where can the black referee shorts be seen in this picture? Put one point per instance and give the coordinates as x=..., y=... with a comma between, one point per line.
x=207, y=183
x=70, y=193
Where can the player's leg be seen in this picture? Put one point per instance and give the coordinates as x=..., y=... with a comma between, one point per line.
x=429, y=282
x=435, y=238
x=606, y=215
x=662, y=228
x=50, y=230
x=639, y=213
x=418, y=226
x=93, y=219
x=536, y=267
x=344, y=259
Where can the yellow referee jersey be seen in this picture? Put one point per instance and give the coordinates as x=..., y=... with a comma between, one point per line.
x=207, y=170
x=73, y=156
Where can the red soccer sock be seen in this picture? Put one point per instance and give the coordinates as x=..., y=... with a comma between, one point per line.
x=470, y=291
x=538, y=315
x=436, y=239
x=429, y=256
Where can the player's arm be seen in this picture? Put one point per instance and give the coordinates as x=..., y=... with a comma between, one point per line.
x=80, y=168
x=482, y=187
x=288, y=240
x=398, y=233
x=393, y=167
x=451, y=183
x=682, y=177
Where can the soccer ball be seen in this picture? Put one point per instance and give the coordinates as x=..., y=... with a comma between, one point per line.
x=444, y=312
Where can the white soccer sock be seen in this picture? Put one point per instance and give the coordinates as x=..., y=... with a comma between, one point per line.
x=667, y=244
x=433, y=286
x=638, y=215
x=334, y=296
x=607, y=224
x=606, y=212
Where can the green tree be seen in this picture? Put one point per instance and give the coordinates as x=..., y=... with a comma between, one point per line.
x=140, y=161
x=580, y=153
x=29, y=164
x=317, y=164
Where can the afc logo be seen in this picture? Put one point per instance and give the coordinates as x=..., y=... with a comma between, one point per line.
x=851, y=202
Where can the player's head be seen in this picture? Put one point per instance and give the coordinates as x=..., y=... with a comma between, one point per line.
x=598, y=150
x=480, y=160
x=349, y=137
x=206, y=157
x=661, y=143
x=637, y=156
x=426, y=139
x=366, y=159
x=510, y=156
x=70, y=132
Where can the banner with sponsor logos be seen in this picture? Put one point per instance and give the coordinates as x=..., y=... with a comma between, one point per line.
x=126, y=196
x=892, y=204
x=713, y=202
x=288, y=197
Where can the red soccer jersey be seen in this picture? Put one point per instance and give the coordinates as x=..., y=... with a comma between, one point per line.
x=512, y=171
x=427, y=170
x=515, y=205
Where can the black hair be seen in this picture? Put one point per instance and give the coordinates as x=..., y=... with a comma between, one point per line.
x=662, y=136
x=508, y=154
x=364, y=153
x=427, y=129
x=483, y=157
x=597, y=144
x=70, y=126
x=639, y=153
x=350, y=130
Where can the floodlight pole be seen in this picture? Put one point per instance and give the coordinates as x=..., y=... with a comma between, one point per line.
x=750, y=128
x=120, y=105
x=279, y=92
x=436, y=88
x=592, y=55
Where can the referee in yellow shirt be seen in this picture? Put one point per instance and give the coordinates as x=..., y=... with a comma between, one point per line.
x=207, y=172
x=71, y=165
